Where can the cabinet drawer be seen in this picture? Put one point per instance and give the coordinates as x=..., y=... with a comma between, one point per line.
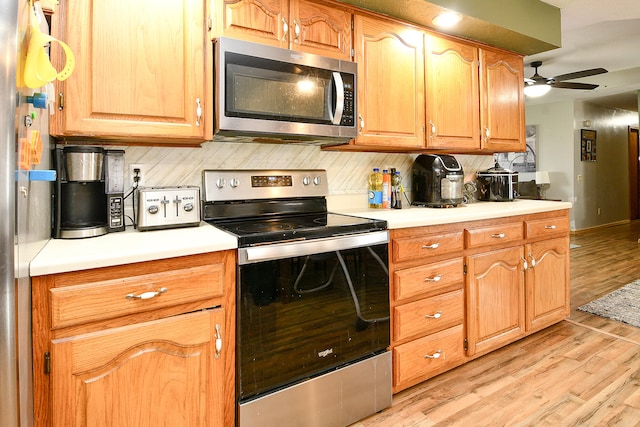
x=430, y=278
x=426, y=357
x=493, y=235
x=428, y=315
x=408, y=248
x=546, y=227
x=105, y=299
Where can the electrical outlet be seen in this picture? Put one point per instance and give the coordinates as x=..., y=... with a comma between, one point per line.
x=599, y=211
x=132, y=174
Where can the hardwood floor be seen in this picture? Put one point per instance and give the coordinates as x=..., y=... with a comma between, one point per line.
x=584, y=371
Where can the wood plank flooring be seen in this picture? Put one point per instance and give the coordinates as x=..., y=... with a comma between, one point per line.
x=584, y=371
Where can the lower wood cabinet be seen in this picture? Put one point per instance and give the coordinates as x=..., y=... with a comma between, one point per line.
x=162, y=372
x=461, y=290
x=143, y=344
x=495, y=299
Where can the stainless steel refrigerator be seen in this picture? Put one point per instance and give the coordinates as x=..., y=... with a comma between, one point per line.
x=24, y=216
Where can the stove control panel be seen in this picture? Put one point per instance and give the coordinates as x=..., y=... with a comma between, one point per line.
x=251, y=184
x=168, y=207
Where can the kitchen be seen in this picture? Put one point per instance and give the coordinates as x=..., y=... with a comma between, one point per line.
x=346, y=170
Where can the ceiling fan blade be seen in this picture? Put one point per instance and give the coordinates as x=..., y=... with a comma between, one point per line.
x=579, y=74
x=569, y=85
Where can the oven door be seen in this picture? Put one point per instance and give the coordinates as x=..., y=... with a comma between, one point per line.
x=308, y=311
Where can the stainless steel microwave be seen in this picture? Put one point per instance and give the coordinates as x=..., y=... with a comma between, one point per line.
x=269, y=92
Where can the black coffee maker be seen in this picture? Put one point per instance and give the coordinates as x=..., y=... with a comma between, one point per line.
x=85, y=204
x=437, y=181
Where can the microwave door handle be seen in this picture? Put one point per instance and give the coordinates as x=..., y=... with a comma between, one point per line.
x=339, y=103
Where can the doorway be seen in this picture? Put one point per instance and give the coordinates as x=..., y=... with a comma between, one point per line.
x=634, y=174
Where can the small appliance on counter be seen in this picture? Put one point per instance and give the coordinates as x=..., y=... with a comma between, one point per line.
x=88, y=196
x=497, y=184
x=168, y=207
x=437, y=181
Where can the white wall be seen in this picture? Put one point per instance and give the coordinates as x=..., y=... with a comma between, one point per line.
x=603, y=184
x=603, y=193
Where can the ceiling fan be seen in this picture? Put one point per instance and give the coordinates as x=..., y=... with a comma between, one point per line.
x=538, y=85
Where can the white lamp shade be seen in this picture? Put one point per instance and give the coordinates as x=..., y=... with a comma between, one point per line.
x=542, y=177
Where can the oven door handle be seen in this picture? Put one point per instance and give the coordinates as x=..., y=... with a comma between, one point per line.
x=310, y=247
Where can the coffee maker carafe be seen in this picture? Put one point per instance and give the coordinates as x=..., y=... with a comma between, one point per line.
x=84, y=204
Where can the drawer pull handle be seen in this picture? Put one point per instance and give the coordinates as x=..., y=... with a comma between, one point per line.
x=218, y=341
x=432, y=246
x=147, y=295
x=498, y=236
x=549, y=227
x=433, y=279
x=435, y=355
x=433, y=316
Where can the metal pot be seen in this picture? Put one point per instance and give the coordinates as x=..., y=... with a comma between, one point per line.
x=497, y=184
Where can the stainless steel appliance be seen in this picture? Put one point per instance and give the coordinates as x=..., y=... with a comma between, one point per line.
x=168, y=207
x=437, y=181
x=24, y=208
x=268, y=92
x=312, y=299
x=85, y=204
x=497, y=184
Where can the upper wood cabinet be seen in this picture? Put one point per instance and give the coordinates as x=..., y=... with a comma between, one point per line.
x=139, y=72
x=391, y=106
x=453, y=96
x=307, y=26
x=502, y=96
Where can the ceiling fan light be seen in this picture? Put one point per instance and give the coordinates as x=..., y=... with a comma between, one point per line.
x=536, y=90
x=446, y=19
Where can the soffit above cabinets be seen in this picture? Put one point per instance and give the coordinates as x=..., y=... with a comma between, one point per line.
x=523, y=26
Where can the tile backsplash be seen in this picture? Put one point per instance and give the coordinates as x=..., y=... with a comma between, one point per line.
x=347, y=171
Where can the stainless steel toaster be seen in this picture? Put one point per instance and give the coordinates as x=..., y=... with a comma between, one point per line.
x=168, y=207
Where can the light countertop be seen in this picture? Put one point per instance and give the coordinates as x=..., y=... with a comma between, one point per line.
x=61, y=255
x=421, y=216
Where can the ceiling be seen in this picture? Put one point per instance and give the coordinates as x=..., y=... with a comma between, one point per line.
x=595, y=33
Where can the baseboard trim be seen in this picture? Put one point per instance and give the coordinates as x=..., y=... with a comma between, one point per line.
x=596, y=227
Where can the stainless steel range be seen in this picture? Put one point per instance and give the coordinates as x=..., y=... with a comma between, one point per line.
x=312, y=299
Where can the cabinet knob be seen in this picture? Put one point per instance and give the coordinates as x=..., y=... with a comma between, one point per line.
x=296, y=30
x=147, y=295
x=198, y=112
x=218, y=341
x=285, y=30
x=431, y=246
x=435, y=355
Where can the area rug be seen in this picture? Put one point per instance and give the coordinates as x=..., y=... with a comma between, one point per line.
x=622, y=305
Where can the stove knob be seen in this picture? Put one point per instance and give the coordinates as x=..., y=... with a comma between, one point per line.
x=188, y=207
x=306, y=180
x=153, y=209
x=317, y=180
x=234, y=182
x=220, y=182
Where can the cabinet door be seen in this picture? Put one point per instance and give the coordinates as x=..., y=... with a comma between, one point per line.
x=547, y=283
x=139, y=72
x=502, y=98
x=260, y=21
x=453, y=98
x=320, y=29
x=159, y=373
x=495, y=299
x=390, y=61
